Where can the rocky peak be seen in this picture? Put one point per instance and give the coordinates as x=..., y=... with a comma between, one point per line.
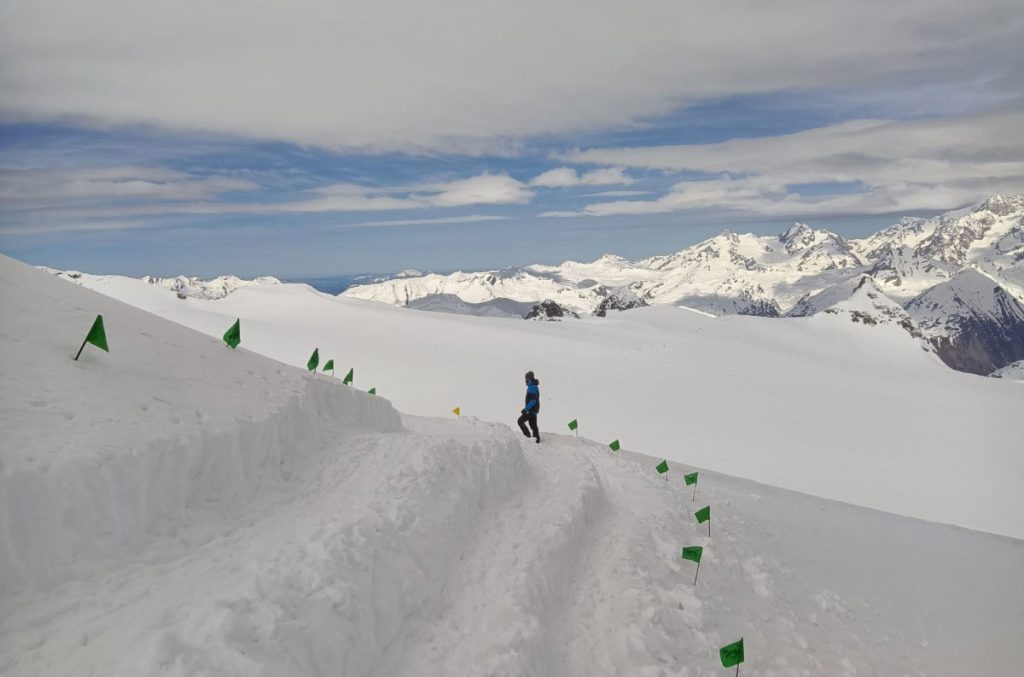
x=1002, y=205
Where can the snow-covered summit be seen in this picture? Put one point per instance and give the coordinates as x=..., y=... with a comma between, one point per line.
x=193, y=287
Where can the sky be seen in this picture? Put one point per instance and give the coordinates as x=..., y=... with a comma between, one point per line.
x=312, y=138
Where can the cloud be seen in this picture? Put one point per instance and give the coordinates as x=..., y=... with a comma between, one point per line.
x=472, y=218
x=450, y=76
x=567, y=177
x=104, y=198
x=494, y=189
x=34, y=187
x=863, y=166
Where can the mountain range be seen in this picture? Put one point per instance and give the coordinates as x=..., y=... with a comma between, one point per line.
x=956, y=281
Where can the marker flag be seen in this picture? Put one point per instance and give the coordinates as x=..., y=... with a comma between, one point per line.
x=233, y=336
x=662, y=467
x=693, y=553
x=573, y=424
x=348, y=377
x=691, y=479
x=457, y=411
x=614, y=446
x=314, y=360
x=704, y=515
x=329, y=366
x=732, y=654
x=96, y=336
x=372, y=391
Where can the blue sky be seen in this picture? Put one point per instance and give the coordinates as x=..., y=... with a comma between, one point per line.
x=459, y=148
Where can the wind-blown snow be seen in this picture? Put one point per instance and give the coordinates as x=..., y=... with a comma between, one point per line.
x=175, y=507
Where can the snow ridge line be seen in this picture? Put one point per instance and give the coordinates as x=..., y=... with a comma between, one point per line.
x=85, y=511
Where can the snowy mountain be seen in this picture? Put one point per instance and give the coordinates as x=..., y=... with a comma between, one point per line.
x=177, y=507
x=733, y=274
x=182, y=286
x=975, y=324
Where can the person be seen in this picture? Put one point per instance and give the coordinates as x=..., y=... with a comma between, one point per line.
x=532, y=407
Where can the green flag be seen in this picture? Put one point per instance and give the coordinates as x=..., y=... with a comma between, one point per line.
x=662, y=467
x=693, y=553
x=704, y=514
x=614, y=446
x=732, y=654
x=96, y=336
x=233, y=336
x=573, y=424
x=690, y=479
x=348, y=377
x=329, y=365
x=372, y=391
x=314, y=360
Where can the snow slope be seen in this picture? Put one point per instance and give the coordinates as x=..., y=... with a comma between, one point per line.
x=835, y=408
x=313, y=533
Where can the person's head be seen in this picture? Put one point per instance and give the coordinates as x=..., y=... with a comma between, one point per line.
x=529, y=377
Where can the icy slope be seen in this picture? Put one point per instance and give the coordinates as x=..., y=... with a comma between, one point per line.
x=434, y=548
x=822, y=405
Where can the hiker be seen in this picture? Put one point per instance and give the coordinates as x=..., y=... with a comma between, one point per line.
x=532, y=407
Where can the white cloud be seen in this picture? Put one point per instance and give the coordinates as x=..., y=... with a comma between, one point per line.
x=127, y=192
x=494, y=189
x=567, y=177
x=25, y=188
x=465, y=77
x=894, y=166
x=471, y=218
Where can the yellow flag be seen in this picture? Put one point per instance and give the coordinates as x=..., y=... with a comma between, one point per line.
x=457, y=411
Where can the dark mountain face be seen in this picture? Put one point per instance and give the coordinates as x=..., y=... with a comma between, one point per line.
x=983, y=326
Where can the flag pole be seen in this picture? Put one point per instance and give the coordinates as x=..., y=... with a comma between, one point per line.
x=79, y=353
x=694, y=493
x=709, y=526
x=737, y=670
x=695, y=575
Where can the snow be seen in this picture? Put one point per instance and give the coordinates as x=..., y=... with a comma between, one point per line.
x=749, y=274
x=839, y=409
x=205, y=511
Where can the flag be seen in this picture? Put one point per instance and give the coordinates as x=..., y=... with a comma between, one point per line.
x=690, y=479
x=614, y=446
x=314, y=360
x=732, y=654
x=96, y=336
x=457, y=411
x=372, y=391
x=348, y=377
x=573, y=424
x=233, y=336
x=329, y=365
x=693, y=553
x=662, y=467
x=704, y=514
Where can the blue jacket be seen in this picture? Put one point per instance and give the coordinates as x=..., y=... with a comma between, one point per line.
x=533, y=398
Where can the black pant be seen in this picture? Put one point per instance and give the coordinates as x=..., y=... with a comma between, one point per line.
x=532, y=418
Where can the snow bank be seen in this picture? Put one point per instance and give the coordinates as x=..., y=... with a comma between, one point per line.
x=103, y=455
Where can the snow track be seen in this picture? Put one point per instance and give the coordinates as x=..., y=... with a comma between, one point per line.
x=175, y=508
